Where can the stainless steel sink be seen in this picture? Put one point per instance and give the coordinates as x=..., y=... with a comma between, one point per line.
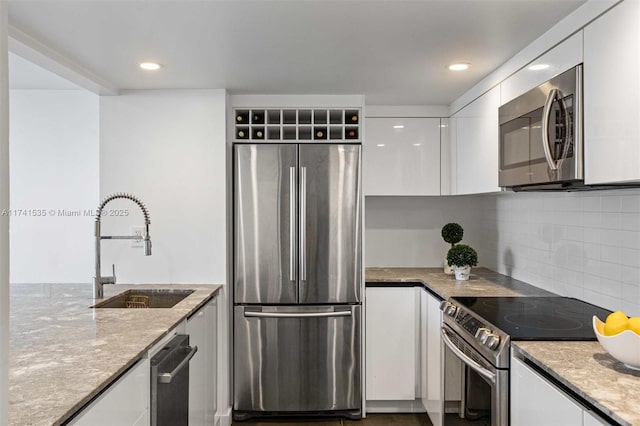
x=156, y=298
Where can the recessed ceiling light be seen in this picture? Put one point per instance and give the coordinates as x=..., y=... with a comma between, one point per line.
x=380, y=145
x=417, y=144
x=398, y=126
x=150, y=66
x=538, y=67
x=459, y=66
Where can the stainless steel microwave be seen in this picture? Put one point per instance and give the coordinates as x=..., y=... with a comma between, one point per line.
x=541, y=145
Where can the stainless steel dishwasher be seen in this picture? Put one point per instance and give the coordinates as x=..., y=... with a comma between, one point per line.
x=170, y=383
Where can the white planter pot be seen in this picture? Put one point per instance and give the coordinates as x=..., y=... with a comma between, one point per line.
x=462, y=272
x=447, y=269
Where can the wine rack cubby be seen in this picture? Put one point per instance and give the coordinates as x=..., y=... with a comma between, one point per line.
x=297, y=124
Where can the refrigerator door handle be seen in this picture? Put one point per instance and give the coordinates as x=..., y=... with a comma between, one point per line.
x=255, y=314
x=303, y=223
x=292, y=224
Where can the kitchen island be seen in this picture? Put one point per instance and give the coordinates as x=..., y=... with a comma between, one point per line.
x=64, y=353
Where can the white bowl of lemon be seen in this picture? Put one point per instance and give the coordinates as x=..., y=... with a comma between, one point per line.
x=620, y=336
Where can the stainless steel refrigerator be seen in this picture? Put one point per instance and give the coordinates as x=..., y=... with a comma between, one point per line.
x=297, y=279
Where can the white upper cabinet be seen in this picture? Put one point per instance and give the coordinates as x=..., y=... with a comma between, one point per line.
x=564, y=56
x=475, y=144
x=401, y=156
x=446, y=162
x=611, y=102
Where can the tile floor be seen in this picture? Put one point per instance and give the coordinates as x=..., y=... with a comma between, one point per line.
x=371, y=420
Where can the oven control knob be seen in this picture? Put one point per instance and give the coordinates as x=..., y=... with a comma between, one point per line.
x=448, y=308
x=493, y=340
x=482, y=334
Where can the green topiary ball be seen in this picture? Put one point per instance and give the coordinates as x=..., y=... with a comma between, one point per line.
x=452, y=233
x=462, y=255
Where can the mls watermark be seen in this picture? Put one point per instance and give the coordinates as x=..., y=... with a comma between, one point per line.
x=62, y=212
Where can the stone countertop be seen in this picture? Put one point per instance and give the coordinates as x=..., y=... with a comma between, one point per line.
x=590, y=372
x=62, y=353
x=483, y=282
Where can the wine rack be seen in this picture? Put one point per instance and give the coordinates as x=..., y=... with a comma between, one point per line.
x=297, y=124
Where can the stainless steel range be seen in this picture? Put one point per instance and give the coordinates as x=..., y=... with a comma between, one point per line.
x=477, y=333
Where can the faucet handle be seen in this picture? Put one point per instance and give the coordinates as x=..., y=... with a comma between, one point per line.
x=113, y=269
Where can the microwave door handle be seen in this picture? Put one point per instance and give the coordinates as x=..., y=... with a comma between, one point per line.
x=465, y=359
x=546, y=117
x=567, y=128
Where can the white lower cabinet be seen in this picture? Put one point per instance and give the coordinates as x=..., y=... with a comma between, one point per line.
x=432, y=398
x=591, y=419
x=125, y=402
x=391, y=343
x=201, y=328
x=537, y=402
x=404, y=352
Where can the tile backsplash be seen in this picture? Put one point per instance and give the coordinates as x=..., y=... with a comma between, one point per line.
x=579, y=244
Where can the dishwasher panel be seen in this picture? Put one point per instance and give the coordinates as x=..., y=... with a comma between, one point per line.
x=170, y=383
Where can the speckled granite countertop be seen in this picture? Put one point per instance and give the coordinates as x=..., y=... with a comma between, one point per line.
x=63, y=353
x=589, y=371
x=483, y=282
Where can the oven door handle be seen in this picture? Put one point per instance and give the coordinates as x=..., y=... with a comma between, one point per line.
x=464, y=358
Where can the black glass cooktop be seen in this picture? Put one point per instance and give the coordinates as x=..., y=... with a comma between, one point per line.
x=537, y=318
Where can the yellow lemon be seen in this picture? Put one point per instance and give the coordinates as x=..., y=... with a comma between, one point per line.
x=615, y=325
x=634, y=324
x=619, y=315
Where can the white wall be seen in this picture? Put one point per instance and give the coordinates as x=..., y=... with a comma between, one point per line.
x=168, y=148
x=579, y=244
x=54, y=168
x=406, y=231
x=4, y=220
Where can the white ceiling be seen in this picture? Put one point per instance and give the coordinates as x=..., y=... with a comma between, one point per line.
x=393, y=51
